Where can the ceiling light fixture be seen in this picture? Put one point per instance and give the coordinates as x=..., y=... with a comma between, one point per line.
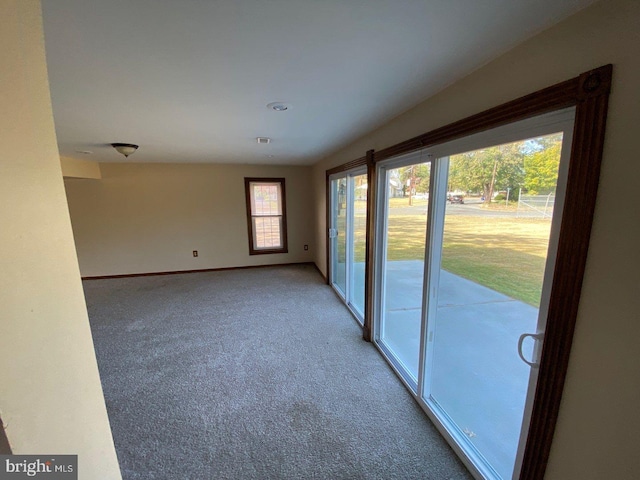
x=263, y=139
x=125, y=149
x=279, y=106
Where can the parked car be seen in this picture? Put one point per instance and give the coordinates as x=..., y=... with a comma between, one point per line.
x=456, y=199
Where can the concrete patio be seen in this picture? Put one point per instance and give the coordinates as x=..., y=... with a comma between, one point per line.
x=477, y=376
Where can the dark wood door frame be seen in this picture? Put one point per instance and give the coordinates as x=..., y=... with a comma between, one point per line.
x=589, y=94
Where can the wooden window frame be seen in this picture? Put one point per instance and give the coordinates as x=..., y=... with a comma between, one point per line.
x=589, y=94
x=253, y=250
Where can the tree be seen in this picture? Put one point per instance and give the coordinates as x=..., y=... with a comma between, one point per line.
x=415, y=179
x=541, y=166
x=488, y=169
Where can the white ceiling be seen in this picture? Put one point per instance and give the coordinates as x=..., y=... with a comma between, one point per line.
x=189, y=80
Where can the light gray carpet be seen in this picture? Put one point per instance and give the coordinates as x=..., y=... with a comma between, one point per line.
x=252, y=374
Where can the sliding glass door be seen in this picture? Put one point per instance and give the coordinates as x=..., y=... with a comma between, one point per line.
x=403, y=233
x=465, y=255
x=347, y=237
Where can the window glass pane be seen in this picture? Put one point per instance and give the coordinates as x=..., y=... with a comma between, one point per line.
x=339, y=274
x=406, y=209
x=267, y=232
x=359, y=240
x=265, y=199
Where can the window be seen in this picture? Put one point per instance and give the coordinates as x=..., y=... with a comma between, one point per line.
x=266, y=215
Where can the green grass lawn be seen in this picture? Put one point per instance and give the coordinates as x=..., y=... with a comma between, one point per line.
x=505, y=254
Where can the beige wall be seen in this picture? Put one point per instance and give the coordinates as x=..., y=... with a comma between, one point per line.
x=142, y=218
x=598, y=432
x=50, y=394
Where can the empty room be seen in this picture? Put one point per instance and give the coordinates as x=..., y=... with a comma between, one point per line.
x=301, y=239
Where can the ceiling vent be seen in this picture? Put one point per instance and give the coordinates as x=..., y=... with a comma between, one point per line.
x=278, y=106
x=263, y=140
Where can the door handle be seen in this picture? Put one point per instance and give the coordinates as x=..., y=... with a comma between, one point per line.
x=535, y=336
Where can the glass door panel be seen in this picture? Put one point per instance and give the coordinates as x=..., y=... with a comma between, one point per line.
x=404, y=239
x=358, y=184
x=489, y=254
x=337, y=236
x=347, y=237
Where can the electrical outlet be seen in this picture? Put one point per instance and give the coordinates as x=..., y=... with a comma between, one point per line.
x=306, y=247
x=195, y=253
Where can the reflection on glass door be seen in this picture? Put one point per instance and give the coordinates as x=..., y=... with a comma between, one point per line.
x=347, y=236
x=402, y=270
x=489, y=252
